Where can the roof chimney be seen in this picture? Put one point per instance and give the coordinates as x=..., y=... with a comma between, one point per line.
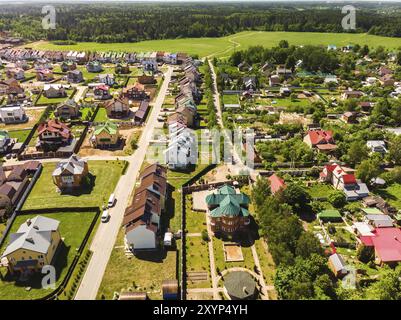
x=28, y=222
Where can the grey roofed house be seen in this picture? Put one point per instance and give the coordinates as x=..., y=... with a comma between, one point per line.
x=337, y=263
x=33, y=235
x=355, y=192
x=73, y=165
x=379, y=220
x=377, y=146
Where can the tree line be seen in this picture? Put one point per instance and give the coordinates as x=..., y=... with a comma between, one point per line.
x=125, y=22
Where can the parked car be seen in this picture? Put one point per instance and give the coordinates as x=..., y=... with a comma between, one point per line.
x=111, y=201
x=105, y=216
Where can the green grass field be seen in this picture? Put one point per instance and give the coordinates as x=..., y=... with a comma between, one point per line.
x=143, y=274
x=73, y=227
x=45, y=195
x=21, y=135
x=223, y=46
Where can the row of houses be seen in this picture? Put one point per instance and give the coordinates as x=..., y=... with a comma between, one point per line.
x=81, y=57
x=182, y=149
x=142, y=218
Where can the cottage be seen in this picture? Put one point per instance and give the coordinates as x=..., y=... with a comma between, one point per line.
x=337, y=265
x=75, y=76
x=351, y=94
x=102, y=92
x=320, y=139
x=283, y=71
x=53, y=134
x=228, y=210
x=378, y=146
x=68, y=66
x=67, y=110
x=366, y=106
x=107, y=79
x=94, y=66
x=142, y=218
x=135, y=92
x=44, y=75
x=182, y=150
x=16, y=73
x=142, y=112
x=274, y=80
x=379, y=220
x=386, y=243
x=122, y=69
x=70, y=173
x=349, y=117
x=387, y=80
x=33, y=246
x=343, y=180
x=13, y=114
x=54, y=91
x=383, y=70
x=118, y=107
x=250, y=83
x=105, y=135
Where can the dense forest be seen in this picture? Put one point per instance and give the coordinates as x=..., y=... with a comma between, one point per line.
x=128, y=22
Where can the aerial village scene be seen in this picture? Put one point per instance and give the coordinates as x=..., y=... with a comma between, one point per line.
x=316, y=216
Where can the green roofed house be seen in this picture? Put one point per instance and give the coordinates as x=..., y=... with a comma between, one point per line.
x=228, y=210
x=371, y=211
x=330, y=215
x=240, y=285
x=105, y=135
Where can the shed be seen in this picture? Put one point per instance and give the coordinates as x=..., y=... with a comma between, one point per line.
x=330, y=215
x=337, y=265
x=168, y=239
x=133, y=296
x=170, y=289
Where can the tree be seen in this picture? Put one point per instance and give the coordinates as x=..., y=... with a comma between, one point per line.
x=296, y=196
x=395, y=150
x=260, y=191
x=324, y=288
x=283, y=44
x=388, y=287
x=365, y=254
x=307, y=245
x=337, y=199
x=357, y=152
x=368, y=169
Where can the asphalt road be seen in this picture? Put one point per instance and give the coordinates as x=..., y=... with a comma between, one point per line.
x=106, y=234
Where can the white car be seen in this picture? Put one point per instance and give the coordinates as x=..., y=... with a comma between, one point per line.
x=105, y=216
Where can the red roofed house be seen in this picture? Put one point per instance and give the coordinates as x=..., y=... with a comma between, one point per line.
x=386, y=243
x=343, y=180
x=53, y=133
x=320, y=139
x=276, y=183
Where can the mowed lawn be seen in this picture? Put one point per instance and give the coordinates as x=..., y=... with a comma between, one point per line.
x=223, y=46
x=138, y=274
x=73, y=228
x=104, y=175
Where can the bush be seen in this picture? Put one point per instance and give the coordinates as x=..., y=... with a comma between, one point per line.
x=337, y=199
x=205, y=235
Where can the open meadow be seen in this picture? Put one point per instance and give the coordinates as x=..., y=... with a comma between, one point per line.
x=221, y=47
